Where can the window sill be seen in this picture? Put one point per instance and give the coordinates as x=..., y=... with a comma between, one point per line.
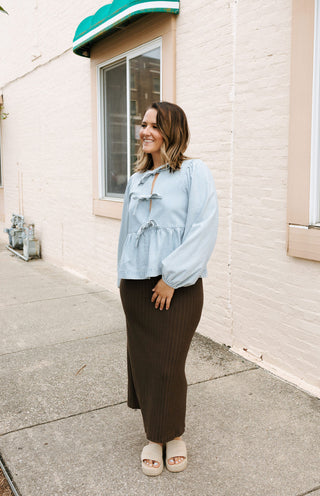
x=304, y=242
x=108, y=208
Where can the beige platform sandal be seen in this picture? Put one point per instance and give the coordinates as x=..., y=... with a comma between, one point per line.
x=176, y=447
x=153, y=452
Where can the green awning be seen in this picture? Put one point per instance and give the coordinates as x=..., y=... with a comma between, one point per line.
x=109, y=18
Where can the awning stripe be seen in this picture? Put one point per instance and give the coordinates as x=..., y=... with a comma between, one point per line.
x=144, y=7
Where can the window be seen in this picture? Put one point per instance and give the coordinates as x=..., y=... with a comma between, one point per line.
x=129, y=69
x=126, y=86
x=303, y=239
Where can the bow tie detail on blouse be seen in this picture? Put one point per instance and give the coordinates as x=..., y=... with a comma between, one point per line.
x=152, y=172
x=153, y=196
x=144, y=227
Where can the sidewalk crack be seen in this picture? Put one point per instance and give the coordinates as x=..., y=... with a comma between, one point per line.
x=20, y=303
x=58, y=343
x=62, y=418
x=309, y=492
x=222, y=376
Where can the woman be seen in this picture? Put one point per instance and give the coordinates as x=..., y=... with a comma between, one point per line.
x=168, y=231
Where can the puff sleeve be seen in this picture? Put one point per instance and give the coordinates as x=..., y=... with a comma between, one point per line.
x=185, y=264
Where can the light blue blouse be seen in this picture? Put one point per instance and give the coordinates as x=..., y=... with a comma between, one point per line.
x=176, y=237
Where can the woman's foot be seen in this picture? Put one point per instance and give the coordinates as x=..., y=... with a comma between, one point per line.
x=152, y=460
x=176, y=458
x=171, y=461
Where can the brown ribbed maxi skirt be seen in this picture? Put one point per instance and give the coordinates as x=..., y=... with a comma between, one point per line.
x=158, y=343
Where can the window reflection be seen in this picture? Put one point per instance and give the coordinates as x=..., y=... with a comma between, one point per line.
x=145, y=89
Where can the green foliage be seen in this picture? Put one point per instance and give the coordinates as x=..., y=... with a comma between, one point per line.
x=2, y=10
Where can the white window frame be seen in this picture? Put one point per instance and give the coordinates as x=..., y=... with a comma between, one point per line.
x=146, y=47
x=314, y=210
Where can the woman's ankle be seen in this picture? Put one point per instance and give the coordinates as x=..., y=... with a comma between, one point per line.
x=153, y=442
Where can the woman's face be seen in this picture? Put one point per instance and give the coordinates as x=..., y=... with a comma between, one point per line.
x=150, y=136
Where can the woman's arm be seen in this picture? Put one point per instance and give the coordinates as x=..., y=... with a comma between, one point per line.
x=187, y=262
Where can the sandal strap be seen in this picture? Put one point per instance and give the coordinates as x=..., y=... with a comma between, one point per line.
x=176, y=447
x=153, y=452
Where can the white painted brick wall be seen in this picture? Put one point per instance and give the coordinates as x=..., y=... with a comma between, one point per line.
x=275, y=298
x=35, y=32
x=233, y=80
x=265, y=301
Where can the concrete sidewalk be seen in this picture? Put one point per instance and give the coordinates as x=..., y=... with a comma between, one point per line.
x=65, y=428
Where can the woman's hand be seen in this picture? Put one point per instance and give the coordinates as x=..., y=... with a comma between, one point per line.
x=162, y=295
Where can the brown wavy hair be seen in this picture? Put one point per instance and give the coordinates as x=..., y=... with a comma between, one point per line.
x=173, y=126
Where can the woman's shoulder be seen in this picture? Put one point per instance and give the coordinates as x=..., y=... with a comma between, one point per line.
x=134, y=178
x=194, y=165
x=198, y=175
